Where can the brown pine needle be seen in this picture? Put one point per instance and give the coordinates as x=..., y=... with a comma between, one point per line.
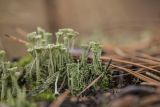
x=149, y=61
x=128, y=62
x=141, y=70
x=153, y=75
x=16, y=39
x=138, y=75
x=91, y=84
x=147, y=56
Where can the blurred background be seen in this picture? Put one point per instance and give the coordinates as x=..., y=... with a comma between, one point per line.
x=122, y=23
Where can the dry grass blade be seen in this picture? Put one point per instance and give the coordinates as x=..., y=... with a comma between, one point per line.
x=60, y=99
x=138, y=75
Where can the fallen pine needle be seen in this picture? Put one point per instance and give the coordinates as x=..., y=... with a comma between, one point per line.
x=138, y=75
x=16, y=39
x=128, y=62
x=91, y=84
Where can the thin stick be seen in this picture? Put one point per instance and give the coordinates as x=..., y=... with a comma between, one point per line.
x=60, y=99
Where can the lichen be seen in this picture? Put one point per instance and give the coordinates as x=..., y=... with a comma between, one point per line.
x=52, y=68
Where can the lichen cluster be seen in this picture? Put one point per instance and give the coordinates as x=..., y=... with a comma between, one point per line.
x=52, y=68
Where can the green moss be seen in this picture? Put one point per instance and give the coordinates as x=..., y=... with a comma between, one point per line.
x=45, y=96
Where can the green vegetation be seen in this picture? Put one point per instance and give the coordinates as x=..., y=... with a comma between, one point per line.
x=50, y=69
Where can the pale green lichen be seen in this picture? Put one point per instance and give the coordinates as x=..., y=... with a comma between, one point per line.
x=52, y=68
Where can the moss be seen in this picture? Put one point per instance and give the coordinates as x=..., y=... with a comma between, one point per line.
x=45, y=96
